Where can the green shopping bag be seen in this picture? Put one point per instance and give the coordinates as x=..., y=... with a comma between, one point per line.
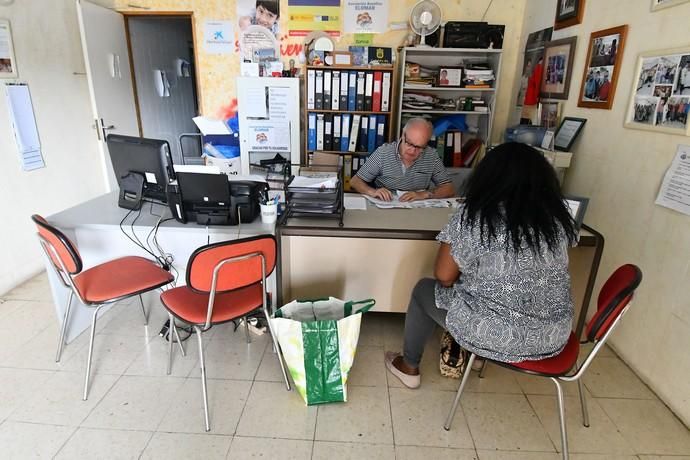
x=318, y=339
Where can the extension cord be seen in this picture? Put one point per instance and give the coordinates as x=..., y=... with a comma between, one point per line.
x=255, y=330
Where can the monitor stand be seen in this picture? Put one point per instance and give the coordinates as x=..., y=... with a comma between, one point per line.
x=131, y=191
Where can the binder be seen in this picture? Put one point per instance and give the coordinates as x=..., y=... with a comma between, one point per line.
x=347, y=172
x=319, y=131
x=360, y=91
x=311, y=132
x=354, y=133
x=376, y=101
x=368, y=91
x=386, y=92
x=327, y=76
x=311, y=82
x=328, y=132
x=381, y=131
x=337, y=124
x=355, y=165
x=441, y=146
x=363, y=141
x=318, y=94
x=352, y=91
x=371, y=144
x=345, y=133
x=344, y=85
x=457, y=149
x=335, y=91
x=448, y=151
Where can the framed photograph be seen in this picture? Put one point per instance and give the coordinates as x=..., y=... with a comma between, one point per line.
x=660, y=4
x=602, y=67
x=567, y=132
x=8, y=64
x=558, y=67
x=660, y=96
x=577, y=205
x=338, y=58
x=568, y=13
x=550, y=114
x=450, y=76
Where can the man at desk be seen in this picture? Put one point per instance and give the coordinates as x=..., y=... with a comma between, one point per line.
x=408, y=166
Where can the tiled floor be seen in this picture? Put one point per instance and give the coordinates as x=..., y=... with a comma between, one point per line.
x=136, y=411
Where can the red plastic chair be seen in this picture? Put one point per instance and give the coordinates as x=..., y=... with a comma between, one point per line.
x=225, y=281
x=613, y=302
x=98, y=286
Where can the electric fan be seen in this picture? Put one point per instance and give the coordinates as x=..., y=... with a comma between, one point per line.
x=425, y=18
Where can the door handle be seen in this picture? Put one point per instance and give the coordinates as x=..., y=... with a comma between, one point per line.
x=104, y=128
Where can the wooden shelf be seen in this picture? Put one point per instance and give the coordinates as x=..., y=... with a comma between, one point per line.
x=442, y=89
x=420, y=50
x=339, y=152
x=361, y=112
x=446, y=112
x=351, y=67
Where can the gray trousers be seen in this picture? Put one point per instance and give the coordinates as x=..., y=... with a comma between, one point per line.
x=421, y=320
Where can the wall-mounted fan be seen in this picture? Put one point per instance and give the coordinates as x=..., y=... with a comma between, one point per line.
x=425, y=18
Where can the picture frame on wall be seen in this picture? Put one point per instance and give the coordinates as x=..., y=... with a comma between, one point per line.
x=558, y=68
x=567, y=132
x=568, y=13
x=660, y=96
x=549, y=114
x=450, y=76
x=8, y=63
x=600, y=75
x=661, y=4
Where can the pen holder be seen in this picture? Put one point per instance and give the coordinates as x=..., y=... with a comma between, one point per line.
x=269, y=212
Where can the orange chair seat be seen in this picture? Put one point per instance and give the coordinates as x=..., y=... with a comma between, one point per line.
x=118, y=278
x=191, y=306
x=556, y=365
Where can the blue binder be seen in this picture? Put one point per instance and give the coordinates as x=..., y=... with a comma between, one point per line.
x=311, y=133
x=345, y=133
x=381, y=130
x=352, y=91
x=371, y=144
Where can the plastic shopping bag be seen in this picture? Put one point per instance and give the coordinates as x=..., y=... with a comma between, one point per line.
x=318, y=339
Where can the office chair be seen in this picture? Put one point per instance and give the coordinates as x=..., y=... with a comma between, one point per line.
x=225, y=281
x=613, y=302
x=100, y=285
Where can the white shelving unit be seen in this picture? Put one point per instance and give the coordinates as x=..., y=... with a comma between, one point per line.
x=451, y=57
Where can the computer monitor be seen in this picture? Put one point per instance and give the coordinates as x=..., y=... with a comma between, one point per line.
x=150, y=158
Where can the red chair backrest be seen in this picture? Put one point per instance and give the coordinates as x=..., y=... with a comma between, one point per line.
x=615, y=294
x=233, y=275
x=66, y=251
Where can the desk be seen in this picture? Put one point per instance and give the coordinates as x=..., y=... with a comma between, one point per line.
x=381, y=254
x=94, y=227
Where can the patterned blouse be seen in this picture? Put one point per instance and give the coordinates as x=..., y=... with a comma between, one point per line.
x=506, y=306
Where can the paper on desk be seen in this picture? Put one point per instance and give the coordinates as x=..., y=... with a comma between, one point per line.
x=432, y=203
x=210, y=126
x=314, y=182
x=199, y=169
x=355, y=201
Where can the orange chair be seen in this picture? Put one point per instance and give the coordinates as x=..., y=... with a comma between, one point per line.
x=98, y=286
x=225, y=281
x=613, y=302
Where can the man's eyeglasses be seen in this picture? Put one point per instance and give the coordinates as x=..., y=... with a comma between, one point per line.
x=418, y=147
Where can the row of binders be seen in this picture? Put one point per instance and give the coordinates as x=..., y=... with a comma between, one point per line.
x=453, y=152
x=353, y=90
x=346, y=132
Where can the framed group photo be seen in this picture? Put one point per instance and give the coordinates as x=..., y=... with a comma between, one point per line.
x=660, y=97
x=558, y=67
x=568, y=13
x=602, y=67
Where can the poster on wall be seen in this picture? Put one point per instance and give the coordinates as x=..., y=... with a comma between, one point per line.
x=365, y=16
x=660, y=99
x=305, y=16
x=218, y=37
x=268, y=136
x=265, y=13
x=8, y=65
x=675, y=189
x=530, y=81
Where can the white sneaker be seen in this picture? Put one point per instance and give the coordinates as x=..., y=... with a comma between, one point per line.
x=410, y=381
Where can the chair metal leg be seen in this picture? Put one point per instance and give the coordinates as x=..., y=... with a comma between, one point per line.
x=276, y=347
x=483, y=369
x=63, y=329
x=246, y=329
x=465, y=378
x=88, y=360
x=583, y=403
x=143, y=310
x=177, y=337
x=561, y=414
x=171, y=324
x=197, y=329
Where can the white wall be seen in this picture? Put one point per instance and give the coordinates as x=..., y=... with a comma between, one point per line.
x=48, y=52
x=621, y=170
x=156, y=43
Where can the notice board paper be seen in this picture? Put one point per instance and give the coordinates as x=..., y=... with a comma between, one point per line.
x=675, y=189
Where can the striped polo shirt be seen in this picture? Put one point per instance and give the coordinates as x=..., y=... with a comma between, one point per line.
x=384, y=168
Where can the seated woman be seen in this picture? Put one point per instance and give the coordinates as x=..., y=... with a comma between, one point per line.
x=502, y=286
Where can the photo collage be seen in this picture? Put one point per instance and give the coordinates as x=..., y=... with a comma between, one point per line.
x=597, y=85
x=662, y=95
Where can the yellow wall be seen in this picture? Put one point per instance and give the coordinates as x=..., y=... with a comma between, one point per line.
x=621, y=170
x=217, y=72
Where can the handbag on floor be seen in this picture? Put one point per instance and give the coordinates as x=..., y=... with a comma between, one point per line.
x=453, y=357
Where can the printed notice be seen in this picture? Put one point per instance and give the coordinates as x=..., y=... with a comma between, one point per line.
x=675, y=189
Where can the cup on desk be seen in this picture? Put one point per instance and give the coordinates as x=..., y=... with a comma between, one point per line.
x=269, y=212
